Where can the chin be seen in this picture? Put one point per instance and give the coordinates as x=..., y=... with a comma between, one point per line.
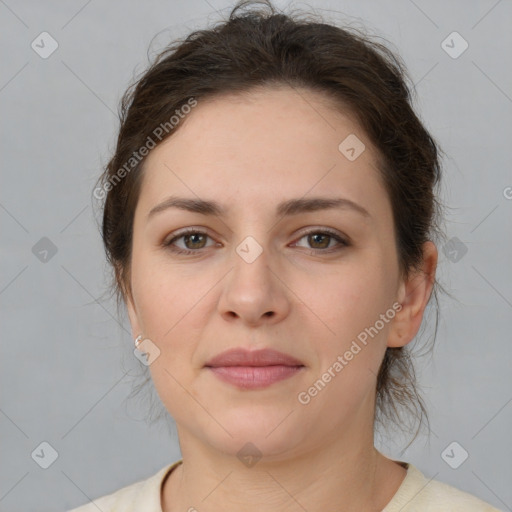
x=258, y=435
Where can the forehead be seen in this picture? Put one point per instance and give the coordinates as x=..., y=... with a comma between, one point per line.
x=264, y=145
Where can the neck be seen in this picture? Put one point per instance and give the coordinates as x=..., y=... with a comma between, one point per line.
x=339, y=475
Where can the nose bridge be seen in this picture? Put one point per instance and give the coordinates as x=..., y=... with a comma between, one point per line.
x=252, y=266
x=252, y=292
x=251, y=236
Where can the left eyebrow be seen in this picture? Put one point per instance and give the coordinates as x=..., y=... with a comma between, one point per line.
x=286, y=208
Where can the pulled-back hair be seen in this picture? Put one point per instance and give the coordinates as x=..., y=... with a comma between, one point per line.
x=258, y=47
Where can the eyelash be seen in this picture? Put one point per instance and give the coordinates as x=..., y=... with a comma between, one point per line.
x=191, y=231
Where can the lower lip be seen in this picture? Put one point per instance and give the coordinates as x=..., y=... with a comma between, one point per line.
x=254, y=377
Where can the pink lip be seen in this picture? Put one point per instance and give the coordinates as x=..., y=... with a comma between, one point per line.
x=253, y=369
x=244, y=357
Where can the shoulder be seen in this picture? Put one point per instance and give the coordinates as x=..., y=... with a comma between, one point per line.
x=420, y=494
x=141, y=495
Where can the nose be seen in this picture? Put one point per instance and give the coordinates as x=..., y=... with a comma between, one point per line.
x=253, y=292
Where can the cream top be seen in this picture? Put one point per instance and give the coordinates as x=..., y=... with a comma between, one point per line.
x=415, y=494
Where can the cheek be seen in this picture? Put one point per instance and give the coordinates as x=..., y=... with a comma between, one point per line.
x=350, y=352
x=174, y=303
x=349, y=299
x=350, y=303
x=165, y=295
x=171, y=305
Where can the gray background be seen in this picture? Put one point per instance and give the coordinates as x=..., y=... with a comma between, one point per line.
x=67, y=366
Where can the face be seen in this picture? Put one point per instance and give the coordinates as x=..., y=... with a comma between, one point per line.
x=306, y=281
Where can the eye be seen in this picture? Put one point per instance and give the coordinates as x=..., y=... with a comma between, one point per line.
x=320, y=240
x=193, y=239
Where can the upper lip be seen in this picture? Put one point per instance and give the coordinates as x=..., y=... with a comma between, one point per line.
x=243, y=357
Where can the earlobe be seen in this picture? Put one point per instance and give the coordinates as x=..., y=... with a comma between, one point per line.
x=414, y=294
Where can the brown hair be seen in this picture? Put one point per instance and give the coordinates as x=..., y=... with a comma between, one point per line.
x=259, y=46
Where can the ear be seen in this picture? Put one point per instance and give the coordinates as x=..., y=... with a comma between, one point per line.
x=132, y=315
x=414, y=294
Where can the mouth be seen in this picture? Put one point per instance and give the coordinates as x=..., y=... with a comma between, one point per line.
x=258, y=369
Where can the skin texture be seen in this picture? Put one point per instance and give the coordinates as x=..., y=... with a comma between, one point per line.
x=250, y=152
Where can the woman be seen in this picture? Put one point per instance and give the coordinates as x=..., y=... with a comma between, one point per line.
x=269, y=214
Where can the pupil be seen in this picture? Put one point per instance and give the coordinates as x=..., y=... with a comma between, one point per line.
x=194, y=238
x=316, y=236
